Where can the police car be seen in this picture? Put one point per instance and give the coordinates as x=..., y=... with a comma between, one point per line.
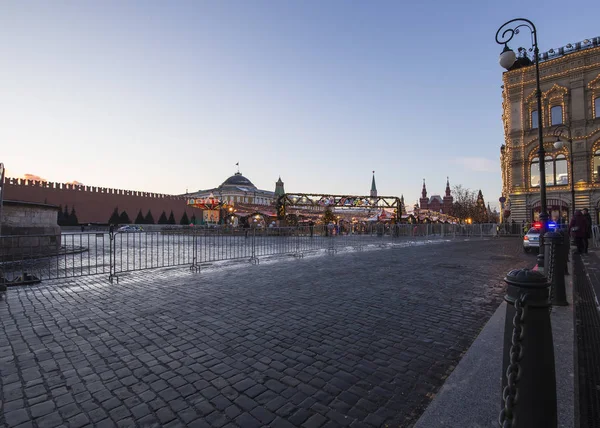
x=532, y=239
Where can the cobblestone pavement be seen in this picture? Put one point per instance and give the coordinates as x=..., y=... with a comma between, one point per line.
x=357, y=339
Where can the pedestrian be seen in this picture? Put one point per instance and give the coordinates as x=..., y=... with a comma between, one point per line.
x=588, y=231
x=311, y=226
x=578, y=229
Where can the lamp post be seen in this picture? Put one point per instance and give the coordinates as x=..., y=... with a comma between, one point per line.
x=507, y=59
x=560, y=144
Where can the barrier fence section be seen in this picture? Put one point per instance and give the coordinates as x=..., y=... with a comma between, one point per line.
x=596, y=235
x=42, y=257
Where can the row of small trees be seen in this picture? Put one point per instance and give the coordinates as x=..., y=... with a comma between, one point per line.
x=123, y=218
x=66, y=217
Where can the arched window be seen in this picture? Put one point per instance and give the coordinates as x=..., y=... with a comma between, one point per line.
x=596, y=171
x=549, y=171
x=534, y=119
x=556, y=115
x=597, y=106
x=560, y=170
x=535, y=172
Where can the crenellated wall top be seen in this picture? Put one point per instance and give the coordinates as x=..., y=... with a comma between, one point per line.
x=82, y=188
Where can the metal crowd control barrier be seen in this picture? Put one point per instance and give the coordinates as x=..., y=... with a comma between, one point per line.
x=596, y=236
x=32, y=258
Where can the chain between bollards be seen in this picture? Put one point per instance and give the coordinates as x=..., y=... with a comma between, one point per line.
x=528, y=372
x=513, y=372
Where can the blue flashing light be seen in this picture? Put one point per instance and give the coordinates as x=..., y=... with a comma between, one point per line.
x=551, y=225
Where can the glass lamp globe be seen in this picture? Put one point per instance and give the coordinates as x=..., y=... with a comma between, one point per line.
x=559, y=144
x=507, y=58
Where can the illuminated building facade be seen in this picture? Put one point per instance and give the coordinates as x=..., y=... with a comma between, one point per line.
x=570, y=83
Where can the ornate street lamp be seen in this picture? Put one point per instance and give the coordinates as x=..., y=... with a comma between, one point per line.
x=559, y=145
x=507, y=59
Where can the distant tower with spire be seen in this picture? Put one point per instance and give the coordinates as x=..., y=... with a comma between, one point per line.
x=448, y=198
x=373, y=187
x=402, y=206
x=424, y=201
x=279, y=188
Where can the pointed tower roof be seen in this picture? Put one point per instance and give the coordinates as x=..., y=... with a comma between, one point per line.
x=279, y=190
x=447, y=186
x=424, y=191
x=373, y=186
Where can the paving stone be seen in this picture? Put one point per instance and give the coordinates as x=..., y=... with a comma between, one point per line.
x=339, y=418
x=281, y=423
x=79, y=420
x=216, y=419
x=245, y=403
x=119, y=413
x=126, y=423
x=165, y=415
x=16, y=417
x=69, y=410
x=140, y=411
x=248, y=421
x=315, y=421
x=14, y=405
x=299, y=416
x=50, y=420
x=262, y=414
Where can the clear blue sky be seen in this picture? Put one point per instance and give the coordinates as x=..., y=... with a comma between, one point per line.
x=163, y=96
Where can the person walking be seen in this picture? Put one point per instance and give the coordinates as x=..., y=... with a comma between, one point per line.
x=578, y=229
x=588, y=231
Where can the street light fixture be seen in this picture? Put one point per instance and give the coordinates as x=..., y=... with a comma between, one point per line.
x=559, y=145
x=507, y=59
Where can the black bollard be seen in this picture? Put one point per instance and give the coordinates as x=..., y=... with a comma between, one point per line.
x=553, y=253
x=566, y=249
x=528, y=377
x=540, y=256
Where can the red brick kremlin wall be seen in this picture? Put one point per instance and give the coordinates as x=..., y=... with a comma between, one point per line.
x=95, y=204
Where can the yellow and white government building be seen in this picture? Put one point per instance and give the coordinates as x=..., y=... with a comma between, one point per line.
x=237, y=189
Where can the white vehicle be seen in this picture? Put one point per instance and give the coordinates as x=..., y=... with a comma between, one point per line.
x=531, y=240
x=130, y=228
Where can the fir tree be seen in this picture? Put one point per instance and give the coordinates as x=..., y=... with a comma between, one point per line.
x=124, y=218
x=193, y=219
x=184, y=219
x=66, y=219
x=163, y=218
x=148, y=219
x=328, y=216
x=171, y=218
x=481, y=215
x=73, y=221
x=60, y=216
x=140, y=218
x=114, y=218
